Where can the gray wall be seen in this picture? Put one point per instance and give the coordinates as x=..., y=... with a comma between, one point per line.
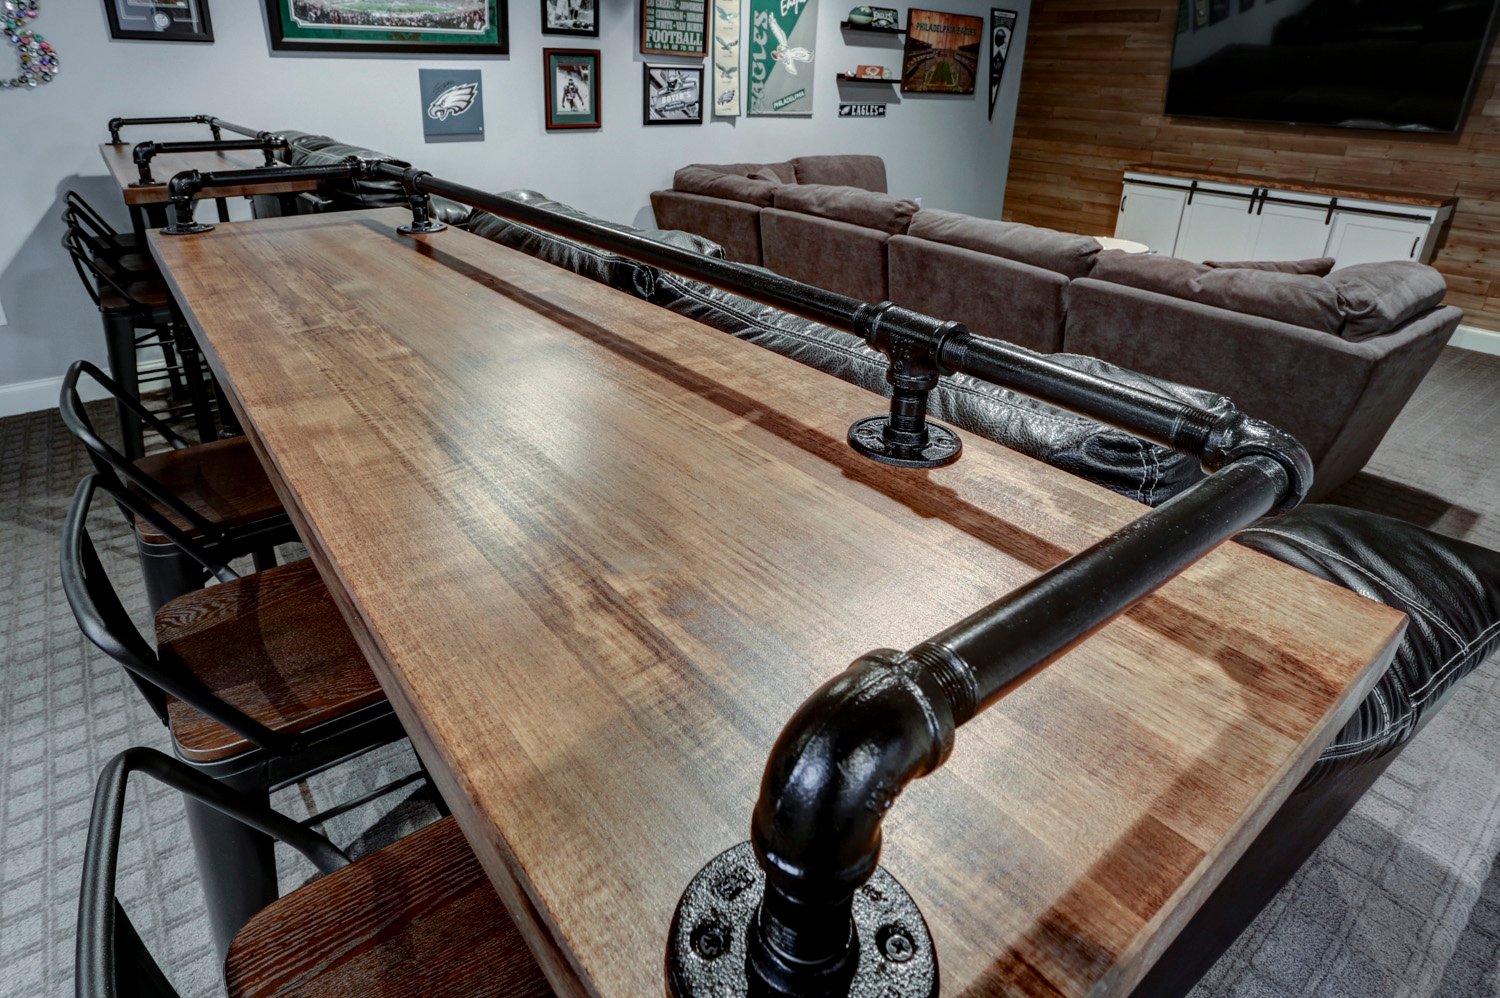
x=940, y=148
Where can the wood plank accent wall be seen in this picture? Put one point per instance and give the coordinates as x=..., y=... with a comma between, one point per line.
x=1092, y=89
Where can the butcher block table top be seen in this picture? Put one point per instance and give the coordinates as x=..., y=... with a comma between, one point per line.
x=167, y=165
x=598, y=554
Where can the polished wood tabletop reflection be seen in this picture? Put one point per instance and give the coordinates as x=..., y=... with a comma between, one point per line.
x=124, y=172
x=599, y=553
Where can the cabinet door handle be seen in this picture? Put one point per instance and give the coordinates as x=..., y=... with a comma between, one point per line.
x=1413, y=254
x=1123, y=199
x=1250, y=208
x=1332, y=204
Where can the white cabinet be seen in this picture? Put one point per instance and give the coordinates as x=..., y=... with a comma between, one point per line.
x=1290, y=230
x=1360, y=238
x=1150, y=214
x=1213, y=219
x=1217, y=226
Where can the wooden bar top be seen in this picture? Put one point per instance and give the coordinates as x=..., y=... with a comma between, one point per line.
x=598, y=554
x=1302, y=187
x=164, y=167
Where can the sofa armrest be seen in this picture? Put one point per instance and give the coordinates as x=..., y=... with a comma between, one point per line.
x=1310, y=383
x=734, y=225
x=825, y=253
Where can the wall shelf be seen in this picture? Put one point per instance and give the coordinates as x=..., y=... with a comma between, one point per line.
x=851, y=78
x=849, y=26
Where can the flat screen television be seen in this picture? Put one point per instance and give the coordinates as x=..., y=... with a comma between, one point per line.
x=1408, y=65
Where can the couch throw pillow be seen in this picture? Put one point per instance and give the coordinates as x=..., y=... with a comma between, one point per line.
x=729, y=186
x=848, y=204
x=1060, y=252
x=1376, y=298
x=1317, y=266
x=1299, y=299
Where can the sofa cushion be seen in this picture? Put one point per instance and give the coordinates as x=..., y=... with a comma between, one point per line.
x=1060, y=252
x=864, y=172
x=782, y=173
x=1299, y=299
x=1317, y=266
x=1375, y=298
x=1449, y=590
x=709, y=182
x=891, y=215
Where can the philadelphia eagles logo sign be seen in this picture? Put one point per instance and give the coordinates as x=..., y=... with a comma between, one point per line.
x=454, y=100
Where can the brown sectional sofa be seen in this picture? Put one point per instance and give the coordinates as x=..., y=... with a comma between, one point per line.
x=1331, y=359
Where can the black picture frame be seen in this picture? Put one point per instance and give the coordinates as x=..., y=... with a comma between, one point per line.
x=648, y=19
x=651, y=113
x=159, y=21
x=280, y=14
x=589, y=32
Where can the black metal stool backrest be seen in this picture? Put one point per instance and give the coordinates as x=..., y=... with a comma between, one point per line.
x=88, y=217
x=110, y=462
x=104, y=621
x=99, y=278
x=112, y=961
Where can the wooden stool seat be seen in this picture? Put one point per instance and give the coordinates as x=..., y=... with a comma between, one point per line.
x=221, y=480
x=419, y=917
x=271, y=644
x=152, y=294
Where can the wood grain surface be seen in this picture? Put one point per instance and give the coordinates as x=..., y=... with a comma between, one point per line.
x=598, y=553
x=417, y=918
x=1346, y=191
x=271, y=644
x=1093, y=87
x=166, y=166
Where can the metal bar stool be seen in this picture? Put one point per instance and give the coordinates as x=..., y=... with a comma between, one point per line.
x=258, y=679
x=129, y=301
x=418, y=917
x=215, y=493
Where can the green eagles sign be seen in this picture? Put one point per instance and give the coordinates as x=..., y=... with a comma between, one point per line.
x=783, y=37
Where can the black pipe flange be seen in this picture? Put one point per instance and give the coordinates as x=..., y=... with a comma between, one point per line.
x=707, y=945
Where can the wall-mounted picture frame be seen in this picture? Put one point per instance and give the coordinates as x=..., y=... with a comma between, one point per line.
x=672, y=95
x=431, y=27
x=159, y=20
x=674, y=27
x=941, y=55
x=573, y=90
x=570, y=17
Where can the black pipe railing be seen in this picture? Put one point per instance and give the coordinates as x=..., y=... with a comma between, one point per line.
x=217, y=126
x=145, y=152
x=845, y=755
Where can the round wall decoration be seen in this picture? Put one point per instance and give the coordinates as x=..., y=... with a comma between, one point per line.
x=38, y=61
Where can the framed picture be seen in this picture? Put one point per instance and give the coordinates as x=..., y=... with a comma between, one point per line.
x=470, y=27
x=942, y=52
x=674, y=27
x=570, y=17
x=573, y=91
x=673, y=95
x=159, y=20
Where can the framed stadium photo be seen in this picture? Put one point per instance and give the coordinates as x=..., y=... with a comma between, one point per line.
x=570, y=17
x=468, y=27
x=159, y=20
x=572, y=88
x=942, y=52
x=673, y=95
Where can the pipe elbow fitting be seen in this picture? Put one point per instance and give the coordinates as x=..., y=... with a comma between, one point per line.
x=837, y=768
x=1236, y=435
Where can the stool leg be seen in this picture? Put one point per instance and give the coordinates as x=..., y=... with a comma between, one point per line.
x=119, y=338
x=236, y=864
x=168, y=572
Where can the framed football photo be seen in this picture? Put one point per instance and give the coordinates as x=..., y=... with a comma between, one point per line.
x=470, y=27
x=570, y=17
x=942, y=52
x=572, y=88
x=159, y=20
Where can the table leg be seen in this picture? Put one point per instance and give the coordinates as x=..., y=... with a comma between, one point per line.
x=223, y=209
x=236, y=864
x=138, y=224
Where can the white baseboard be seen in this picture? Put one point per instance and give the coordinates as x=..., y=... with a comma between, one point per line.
x=34, y=396
x=1478, y=340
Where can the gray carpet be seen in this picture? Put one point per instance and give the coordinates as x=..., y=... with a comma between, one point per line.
x=1403, y=899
